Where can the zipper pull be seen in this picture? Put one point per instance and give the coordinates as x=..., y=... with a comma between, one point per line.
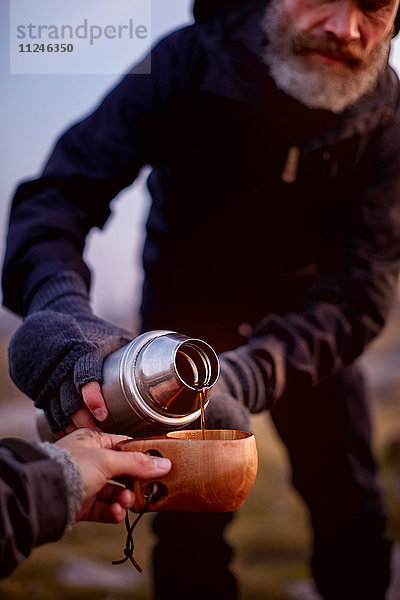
x=289, y=173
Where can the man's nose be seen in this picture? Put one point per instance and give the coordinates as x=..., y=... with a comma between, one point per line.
x=344, y=20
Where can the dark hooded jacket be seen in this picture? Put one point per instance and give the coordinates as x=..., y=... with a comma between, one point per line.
x=33, y=501
x=308, y=263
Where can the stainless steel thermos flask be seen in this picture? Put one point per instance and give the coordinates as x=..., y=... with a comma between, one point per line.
x=152, y=384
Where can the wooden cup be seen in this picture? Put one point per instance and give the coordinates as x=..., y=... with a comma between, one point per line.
x=215, y=474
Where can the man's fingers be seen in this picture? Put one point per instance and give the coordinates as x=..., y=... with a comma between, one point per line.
x=81, y=419
x=70, y=427
x=93, y=398
x=60, y=434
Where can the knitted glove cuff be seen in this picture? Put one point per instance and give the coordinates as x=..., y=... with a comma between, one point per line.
x=248, y=378
x=65, y=293
x=72, y=477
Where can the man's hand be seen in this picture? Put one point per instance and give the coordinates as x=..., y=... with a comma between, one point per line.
x=94, y=452
x=95, y=407
x=61, y=347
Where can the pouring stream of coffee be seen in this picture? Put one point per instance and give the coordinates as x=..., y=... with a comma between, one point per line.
x=202, y=396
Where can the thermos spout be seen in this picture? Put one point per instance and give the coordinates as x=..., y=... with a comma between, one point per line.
x=171, y=370
x=152, y=385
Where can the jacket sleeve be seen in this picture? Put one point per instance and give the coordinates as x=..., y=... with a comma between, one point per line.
x=350, y=300
x=345, y=307
x=95, y=159
x=33, y=502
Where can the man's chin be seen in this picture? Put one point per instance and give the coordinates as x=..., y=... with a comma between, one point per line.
x=319, y=84
x=316, y=91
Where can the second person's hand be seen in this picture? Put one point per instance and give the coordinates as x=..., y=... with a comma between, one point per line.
x=98, y=460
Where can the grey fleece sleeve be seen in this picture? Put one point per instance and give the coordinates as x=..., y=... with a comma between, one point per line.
x=72, y=477
x=41, y=490
x=33, y=501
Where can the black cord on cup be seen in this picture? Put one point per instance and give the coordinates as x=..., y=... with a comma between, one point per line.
x=129, y=544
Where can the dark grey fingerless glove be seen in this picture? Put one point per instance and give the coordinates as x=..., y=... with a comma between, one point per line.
x=60, y=346
x=252, y=374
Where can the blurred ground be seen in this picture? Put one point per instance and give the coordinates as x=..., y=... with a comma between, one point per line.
x=270, y=534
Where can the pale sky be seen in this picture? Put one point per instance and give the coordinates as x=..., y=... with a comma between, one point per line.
x=35, y=109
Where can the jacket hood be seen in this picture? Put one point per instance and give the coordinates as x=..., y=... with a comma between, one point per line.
x=205, y=9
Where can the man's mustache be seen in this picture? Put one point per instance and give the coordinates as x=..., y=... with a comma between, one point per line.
x=352, y=53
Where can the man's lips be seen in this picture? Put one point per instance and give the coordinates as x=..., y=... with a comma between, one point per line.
x=328, y=51
x=332, y=58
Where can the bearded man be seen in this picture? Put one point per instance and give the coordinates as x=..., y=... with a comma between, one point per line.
x=273, y=134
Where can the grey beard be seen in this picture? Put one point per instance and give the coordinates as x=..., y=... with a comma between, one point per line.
x=325, y=87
